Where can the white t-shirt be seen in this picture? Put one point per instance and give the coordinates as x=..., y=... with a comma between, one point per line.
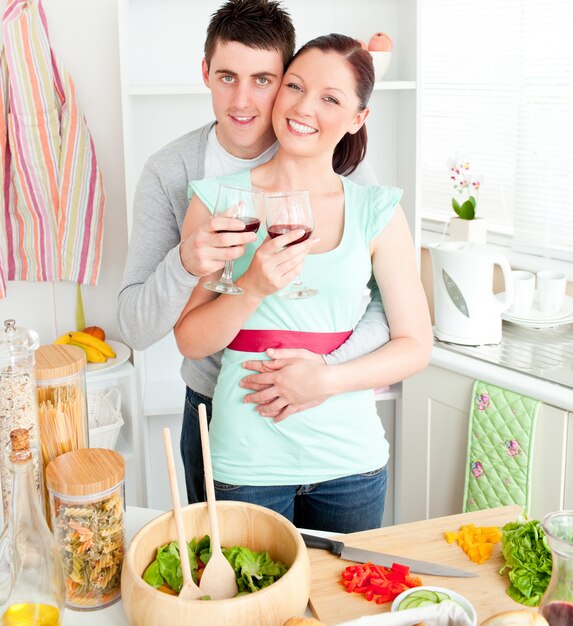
x=219, y=162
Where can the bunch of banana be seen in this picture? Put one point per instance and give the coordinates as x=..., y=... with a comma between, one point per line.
x=97, y=351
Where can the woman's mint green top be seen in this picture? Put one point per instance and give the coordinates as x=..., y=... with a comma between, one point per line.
x=342, y=436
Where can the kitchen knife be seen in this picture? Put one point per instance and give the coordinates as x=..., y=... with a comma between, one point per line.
x=380, y=558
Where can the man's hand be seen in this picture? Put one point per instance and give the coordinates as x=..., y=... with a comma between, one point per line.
x=207, y=248
x=291, y=382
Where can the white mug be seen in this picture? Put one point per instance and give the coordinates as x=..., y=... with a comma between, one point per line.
x=550, y=291
x=523, y=292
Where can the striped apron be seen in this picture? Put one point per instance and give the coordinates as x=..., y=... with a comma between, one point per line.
x=52, y=198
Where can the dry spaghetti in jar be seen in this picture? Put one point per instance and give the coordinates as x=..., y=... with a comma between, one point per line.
x=62, y=401
x=87, y=506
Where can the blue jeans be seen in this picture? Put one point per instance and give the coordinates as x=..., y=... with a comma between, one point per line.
x=190, y=445
x=343, y=505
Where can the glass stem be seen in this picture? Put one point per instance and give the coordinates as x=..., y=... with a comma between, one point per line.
x=227, y=276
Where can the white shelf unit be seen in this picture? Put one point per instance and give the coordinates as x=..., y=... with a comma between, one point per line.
x=160, y=59
x=163, y=97
x=129, y=443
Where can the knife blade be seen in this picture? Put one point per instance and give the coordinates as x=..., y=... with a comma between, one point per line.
x=359, y=555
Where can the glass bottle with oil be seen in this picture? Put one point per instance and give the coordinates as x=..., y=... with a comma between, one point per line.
x=30, y=553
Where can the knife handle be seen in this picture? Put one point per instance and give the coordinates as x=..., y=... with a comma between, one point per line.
x=312, y=541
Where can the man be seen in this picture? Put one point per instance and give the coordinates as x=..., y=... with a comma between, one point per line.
x=249, y=43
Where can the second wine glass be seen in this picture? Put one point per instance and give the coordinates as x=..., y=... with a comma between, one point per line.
x=288, y=211
x=246, y=205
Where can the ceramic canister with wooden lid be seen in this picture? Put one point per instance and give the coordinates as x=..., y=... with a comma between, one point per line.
x=87, y=505
x=62, y=401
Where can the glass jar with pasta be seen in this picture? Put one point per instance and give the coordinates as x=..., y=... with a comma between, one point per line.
x=62, y=401
x=87, y=505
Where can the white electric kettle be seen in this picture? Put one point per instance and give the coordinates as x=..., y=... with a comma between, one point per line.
x=466, y=310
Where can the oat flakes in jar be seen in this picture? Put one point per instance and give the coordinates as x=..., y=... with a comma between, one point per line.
x=18, y=398
x=87, y=506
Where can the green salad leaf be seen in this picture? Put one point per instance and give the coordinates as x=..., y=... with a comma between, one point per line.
x=528, y=560
x=166, y=568
x=253, y=570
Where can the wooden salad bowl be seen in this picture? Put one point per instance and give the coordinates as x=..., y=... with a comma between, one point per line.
x=242, y=524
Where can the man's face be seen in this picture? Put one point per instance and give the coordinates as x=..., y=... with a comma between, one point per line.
x=244, y=83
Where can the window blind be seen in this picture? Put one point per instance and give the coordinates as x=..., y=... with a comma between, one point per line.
x=497, y=89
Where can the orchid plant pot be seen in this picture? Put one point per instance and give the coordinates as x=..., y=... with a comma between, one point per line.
x=473, y=231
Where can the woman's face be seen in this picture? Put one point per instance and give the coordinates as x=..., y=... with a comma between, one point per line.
x=316, y=104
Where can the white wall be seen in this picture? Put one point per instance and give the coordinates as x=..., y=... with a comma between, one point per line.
x=84, y=36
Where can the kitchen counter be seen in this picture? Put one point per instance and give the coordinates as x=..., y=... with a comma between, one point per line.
x=537, y=363
x=422, y=540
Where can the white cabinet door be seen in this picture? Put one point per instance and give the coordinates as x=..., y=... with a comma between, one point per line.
x=431, y=460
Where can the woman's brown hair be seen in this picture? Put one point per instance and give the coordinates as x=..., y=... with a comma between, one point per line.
x=351, y=149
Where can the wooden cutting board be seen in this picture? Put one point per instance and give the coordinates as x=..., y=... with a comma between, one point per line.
x=331, y=604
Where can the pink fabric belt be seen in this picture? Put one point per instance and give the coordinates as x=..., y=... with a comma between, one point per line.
x=261, y=340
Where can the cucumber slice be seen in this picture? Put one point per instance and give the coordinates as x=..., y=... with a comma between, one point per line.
x=423, y=597
x=407, y=603
x=426, y=603
x=416, y=602
x=442, y=596
x=426, y=594
x=413, y=596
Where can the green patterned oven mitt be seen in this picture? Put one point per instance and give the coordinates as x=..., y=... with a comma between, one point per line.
x=500, y=448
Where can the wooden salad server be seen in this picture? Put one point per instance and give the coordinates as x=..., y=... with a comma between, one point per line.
x=218, y=579
x=189, y=591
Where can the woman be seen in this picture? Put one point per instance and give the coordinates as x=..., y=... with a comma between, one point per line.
x=324, y=468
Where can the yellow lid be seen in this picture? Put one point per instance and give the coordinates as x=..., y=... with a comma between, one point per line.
x=58, y=361
x=85, y=472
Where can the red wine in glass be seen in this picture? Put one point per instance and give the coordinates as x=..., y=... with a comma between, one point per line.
x=558, y=613
x=282, y=229
x=288, y=211
x=252, y=225
x=246, y=205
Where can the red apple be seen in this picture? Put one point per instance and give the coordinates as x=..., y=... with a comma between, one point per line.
x=380, y=42
x=95, y=331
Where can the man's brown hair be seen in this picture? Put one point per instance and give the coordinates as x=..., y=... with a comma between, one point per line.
x=261, y=24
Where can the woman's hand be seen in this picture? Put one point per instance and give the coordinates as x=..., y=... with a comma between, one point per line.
x=289, y=383
x=275, y=264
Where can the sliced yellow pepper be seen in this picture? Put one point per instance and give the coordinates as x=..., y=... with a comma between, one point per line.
x=476, y=541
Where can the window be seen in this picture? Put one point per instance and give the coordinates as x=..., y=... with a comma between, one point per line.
x=497, y=88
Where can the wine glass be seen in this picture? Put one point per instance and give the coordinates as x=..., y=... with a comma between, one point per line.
x=246, y=205
x=288, y=211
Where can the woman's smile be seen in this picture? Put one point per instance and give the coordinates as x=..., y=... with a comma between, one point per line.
x=299, y=128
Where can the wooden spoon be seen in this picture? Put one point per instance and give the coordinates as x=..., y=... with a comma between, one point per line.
x=189, y=591
x=218, y=579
